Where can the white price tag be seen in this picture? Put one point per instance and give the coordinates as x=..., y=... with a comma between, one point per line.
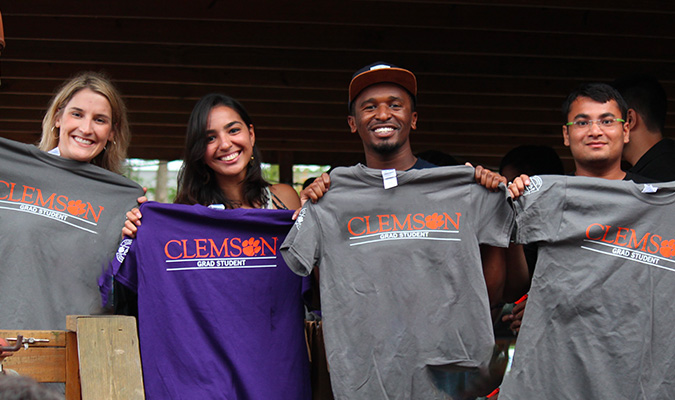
x=649, y=188
x=389, y=178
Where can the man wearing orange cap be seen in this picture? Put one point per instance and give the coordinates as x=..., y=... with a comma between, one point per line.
x=382, y=102
x=403, y=296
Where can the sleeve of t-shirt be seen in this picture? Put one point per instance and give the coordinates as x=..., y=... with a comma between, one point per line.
x=301, y=247
x=539, y=210
x=494, y=215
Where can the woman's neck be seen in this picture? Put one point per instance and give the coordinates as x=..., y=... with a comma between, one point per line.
x=234, y=191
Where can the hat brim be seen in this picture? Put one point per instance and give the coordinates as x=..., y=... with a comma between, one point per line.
x=398, y=76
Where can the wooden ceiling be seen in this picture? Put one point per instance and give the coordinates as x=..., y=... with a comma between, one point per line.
x=491, y=74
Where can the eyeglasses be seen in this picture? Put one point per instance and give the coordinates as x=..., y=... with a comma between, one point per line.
x=586, y=124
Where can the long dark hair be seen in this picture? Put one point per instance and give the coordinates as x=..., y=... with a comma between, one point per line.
x=197, y=183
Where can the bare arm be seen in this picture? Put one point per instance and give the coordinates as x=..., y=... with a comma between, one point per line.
x=494, y=271
x=314, y=191
x=287, y=195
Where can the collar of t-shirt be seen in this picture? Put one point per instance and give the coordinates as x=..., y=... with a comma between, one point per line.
x=422, y=164
x=55, y=151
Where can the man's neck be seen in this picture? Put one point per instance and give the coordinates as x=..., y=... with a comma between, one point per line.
x=613, y=172
x=400, y=161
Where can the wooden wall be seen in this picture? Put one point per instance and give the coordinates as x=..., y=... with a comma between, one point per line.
x=492, y=74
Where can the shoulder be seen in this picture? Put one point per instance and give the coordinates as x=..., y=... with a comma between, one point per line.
x=637, y=178
x=286, y=194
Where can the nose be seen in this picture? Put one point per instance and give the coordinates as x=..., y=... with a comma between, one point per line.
x=383, y=112
x=87, y=125
x=224, y=141
x=595, y=128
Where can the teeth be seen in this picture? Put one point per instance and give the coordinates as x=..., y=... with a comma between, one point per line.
x=230, y=157
x=82, y=140
x=384, y=130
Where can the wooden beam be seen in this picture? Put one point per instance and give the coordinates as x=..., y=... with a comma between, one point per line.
x=110, y=362
x=274, y=61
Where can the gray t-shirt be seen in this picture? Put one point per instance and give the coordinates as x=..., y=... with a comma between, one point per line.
x=600, y=315
x=60, y=223
x=401, y=281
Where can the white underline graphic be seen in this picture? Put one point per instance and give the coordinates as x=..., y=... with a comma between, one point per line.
x=404, y=238
x=54, y=218
x=230, y=267
x=390, y=232
x=629, y=249
x=631, y=259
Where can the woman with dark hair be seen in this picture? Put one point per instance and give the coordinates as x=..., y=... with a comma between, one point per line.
x=206, y=272
x=221, y=163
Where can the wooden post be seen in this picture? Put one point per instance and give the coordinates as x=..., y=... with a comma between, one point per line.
x=161, y=192
x=72, y=368
x=110, y=361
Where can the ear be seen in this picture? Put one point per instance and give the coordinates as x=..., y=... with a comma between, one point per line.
x=631, y=118
x=413, y=121
x=566, y=136
x=626, y=131
x=111, y=136
x=351, y=121
x=57, y=118
x=251, y=134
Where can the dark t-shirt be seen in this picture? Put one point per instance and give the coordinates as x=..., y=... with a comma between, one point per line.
x=658, y=162
x=422, y=164
x=631, y=176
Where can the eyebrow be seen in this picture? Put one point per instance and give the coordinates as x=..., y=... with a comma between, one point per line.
x=233, y=123
x=586, y=116
x=227, y=126
x=74, y=108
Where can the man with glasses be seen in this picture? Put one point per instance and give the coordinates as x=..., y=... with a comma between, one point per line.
x=599, y=317
x=596, y=131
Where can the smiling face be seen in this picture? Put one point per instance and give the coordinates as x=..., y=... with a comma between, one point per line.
x=383, y=117
x=229, y=144
x=595, y=147
x=85, y=126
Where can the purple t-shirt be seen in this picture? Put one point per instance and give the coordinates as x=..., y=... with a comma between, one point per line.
x=220, y=313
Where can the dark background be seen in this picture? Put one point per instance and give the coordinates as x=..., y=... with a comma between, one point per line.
x=492, y=74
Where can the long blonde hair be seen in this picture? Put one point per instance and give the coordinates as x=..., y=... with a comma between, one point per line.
x=112, y=157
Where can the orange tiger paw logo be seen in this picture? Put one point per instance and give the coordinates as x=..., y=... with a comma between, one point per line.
x=667, y=248
x=76, y=207
x=434, y=221
x=251, y=247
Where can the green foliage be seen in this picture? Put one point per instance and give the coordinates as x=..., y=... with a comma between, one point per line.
x=144, y=172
